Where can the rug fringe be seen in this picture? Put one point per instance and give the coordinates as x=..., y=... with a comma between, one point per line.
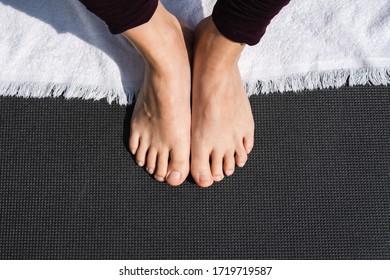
x=293, y=82
x=40, y=90
x=320, y=80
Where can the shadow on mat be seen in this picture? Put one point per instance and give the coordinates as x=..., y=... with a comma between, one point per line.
x=51, y=11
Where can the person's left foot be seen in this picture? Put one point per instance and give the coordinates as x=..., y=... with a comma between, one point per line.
x=161, y=121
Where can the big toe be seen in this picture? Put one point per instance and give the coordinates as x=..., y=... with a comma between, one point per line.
x=200, y=168
x=178, y=167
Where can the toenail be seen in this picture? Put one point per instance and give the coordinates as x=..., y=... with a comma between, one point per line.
x=159, y=178
x=204, y=177
x=230, y=172
x=217, y=178
x=150, y=170
x=140, y=163
x=174, y=175
x=241, y=164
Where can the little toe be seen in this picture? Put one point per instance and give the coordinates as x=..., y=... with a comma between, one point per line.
x=248, y=143
x=133, y=143
x=151, y=161
x=200, y=169
x=241, y=156
x=178, y=167
x=217, y=166
x=228, y=164
x=162, y=166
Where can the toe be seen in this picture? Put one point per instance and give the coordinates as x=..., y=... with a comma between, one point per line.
x=151, y=161
x=241, y=156
x=248, y=143
x=178, y=167
x=133, y=143
x=217, y=166
x=162, y=166
x=228, y=164
x=200, y=168
x=140, y=155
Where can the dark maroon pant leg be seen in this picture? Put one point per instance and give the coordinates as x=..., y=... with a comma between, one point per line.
x=242, y=21
x=121, y=15
x=245, y=21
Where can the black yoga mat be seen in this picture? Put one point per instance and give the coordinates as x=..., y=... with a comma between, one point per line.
x=316, y=185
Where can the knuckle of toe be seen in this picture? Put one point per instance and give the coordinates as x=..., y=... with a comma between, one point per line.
x=242, y=156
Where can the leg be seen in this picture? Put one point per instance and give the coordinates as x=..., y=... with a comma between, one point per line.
x=222, y=121
x=160, y=125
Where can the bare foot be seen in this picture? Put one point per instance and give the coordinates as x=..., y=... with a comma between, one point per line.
x=160, y=124
x=222, y=121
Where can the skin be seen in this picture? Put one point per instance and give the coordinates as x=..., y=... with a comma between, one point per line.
x=160, y=128
x=218, y=131
x=222, y=121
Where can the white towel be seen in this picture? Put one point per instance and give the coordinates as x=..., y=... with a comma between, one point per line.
x=57, y=47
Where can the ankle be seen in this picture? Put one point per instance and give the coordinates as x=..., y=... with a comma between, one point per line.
x=216, y=46
x=154, y=38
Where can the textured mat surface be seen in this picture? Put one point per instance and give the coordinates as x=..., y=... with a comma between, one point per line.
x=316, y=185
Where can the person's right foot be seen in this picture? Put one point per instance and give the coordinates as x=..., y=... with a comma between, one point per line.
x=160, y=124
x=222, y=121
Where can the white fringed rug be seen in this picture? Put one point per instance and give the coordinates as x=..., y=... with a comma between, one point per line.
x=56, y=47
